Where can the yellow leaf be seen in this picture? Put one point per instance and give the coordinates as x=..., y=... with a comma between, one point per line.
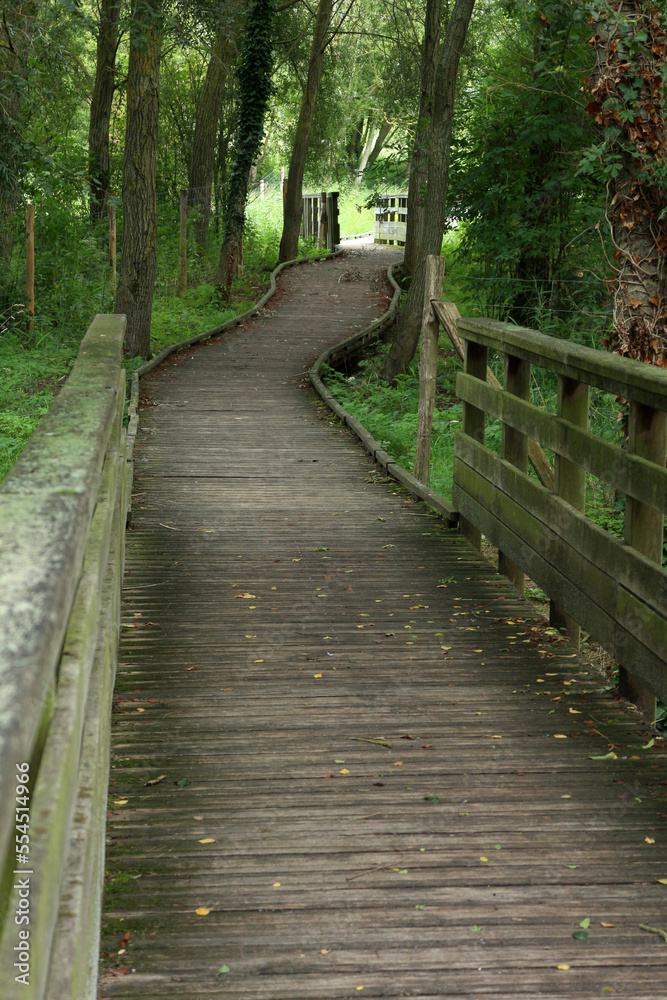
x=317, y=675
x=244, y=595
x=563, y=967
x=121, y=802
x=345, y=771
x=560, y=736
x=575, y=711
x=207, y=840
x=141, y=710
x=258, y=661
x=603, y=924
x=649, y=840
x=276, y=885
x=202, y=911
x=398, y=763
x=324, y=951
x=483, y=859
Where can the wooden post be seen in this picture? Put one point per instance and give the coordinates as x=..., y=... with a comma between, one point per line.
x=324, y=223
x=183, y=245
x=473, y=423
x=572, y=405
x=112, y=246
x=428, y=365
x=30, y=267
x=515, y=448
x=647, y=437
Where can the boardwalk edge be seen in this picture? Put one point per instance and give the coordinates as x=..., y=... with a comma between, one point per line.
x=346, y=349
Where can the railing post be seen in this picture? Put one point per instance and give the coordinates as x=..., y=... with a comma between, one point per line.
x=647, y=437
x=515, y=448
x=183, y=243
x=324, y=223
x=428, y=365
x=473, y=423
x=573, y=400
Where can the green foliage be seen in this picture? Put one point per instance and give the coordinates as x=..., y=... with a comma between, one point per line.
x=529, y=222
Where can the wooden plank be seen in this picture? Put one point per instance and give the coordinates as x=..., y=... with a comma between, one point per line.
x=627, y=472
x=473, y=423
x=646, y=384
x=514, y=448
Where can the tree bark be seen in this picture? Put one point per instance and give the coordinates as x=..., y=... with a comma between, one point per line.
x=100, y=109
x=405, y=341
x=139, y=244
x=16, y=33
x=255, y=89
x=207, y=115
x=627, y=87
x=419, y=159
x=293, y=206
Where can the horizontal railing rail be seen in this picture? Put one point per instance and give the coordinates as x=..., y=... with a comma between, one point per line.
x=62, y=520
x=616, y=588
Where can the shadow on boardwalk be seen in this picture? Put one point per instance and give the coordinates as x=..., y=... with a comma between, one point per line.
x=347, y=759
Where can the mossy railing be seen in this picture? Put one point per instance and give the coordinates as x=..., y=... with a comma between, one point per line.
x=616, y=588
x=62, y=521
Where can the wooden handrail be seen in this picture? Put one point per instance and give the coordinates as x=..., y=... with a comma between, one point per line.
x=616, y=589
x=62, y=520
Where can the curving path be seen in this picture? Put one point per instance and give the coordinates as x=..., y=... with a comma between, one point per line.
x=347, y=759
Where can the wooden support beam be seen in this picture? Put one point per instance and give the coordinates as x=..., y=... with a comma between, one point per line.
x=515, y=449
x=572, y=405
x=644, y=526
x=428, y=365
x=475, y=364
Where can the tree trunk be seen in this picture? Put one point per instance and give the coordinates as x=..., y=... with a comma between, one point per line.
x=16, y=31
x=255, y=90
x=206, y=128
x=138, y=259
x=419, y=159
x=405, y=341
x=100, y=109
x=293, y=206
x=386, y=130
x=627, y=87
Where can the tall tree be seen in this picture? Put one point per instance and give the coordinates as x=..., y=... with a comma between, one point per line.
x=202, y=163
x=628, y=100
x=292, y=210
x=255, y=89
x=100, y=107
x=406, y=338
x=419, y=158
x=139, y=243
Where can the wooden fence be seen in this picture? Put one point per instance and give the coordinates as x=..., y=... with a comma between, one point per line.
x=614, y=588
x=313, y=205
x=62, y=520
x=391, y=217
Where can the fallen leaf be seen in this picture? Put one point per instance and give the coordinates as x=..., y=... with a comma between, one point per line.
x=121, y=802
x=276, y=885
x=649, y=840
x=155, y=781
x=141, y=710
x=604, y=756
x=222, y=970
x=253, y=596
x=258, y=661
x=560, y=736
x=182, y=782
x=345, y=770
x=407, y=737
x=325, y=951
x=202, y=911
x=317, y=675
x=585, y=923
x=398, y=763
x=207, y=840
x=648, y=745
x=563, y=967
x=580, y=935
x=603, y=924
x=483, y=859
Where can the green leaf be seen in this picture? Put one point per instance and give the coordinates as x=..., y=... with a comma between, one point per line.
x=605, y=756
x=585, y=923
x=580, y=935
x=223, y=969
x=432, y=798
x=648, y=745
x=182, y=782
x=418, y=907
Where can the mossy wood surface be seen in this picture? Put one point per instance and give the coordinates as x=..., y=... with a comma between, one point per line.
x=61, y=544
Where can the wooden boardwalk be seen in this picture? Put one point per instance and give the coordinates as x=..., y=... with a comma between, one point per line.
x=347, y=759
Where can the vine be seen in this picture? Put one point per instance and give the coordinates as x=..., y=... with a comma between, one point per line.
x=627, y=96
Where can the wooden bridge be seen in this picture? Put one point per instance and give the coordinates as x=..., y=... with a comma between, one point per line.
x=347, y=758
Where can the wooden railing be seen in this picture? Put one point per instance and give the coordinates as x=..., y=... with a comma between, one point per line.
x=319, y=209
x=62, y=521
x=615, y=588
x=391, y=218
